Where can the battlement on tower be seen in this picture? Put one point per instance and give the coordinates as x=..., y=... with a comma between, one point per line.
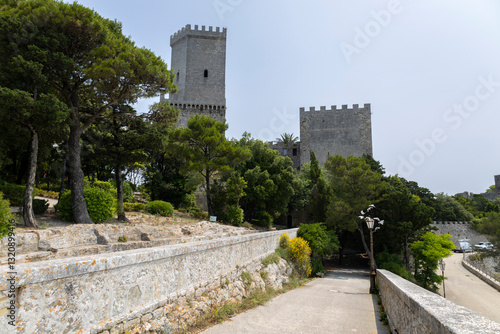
x=344, y=107
x=203, y=32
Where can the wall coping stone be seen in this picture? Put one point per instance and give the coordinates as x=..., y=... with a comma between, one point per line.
x=30, y=273
x=435, y=313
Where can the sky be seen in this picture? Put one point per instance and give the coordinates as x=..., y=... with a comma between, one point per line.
x=429, y=69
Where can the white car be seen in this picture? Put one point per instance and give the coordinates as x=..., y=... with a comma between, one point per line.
x=484, y=245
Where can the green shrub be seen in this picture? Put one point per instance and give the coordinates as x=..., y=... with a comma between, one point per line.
x=394, y=264
x=317, y=267
x=122, y=239
x=133, y=206
x=197, y=213
x=100, y=205
x=233, y=215
x=321, y=241
x=106, y=186
x=14, y=193
x=40, y=206
x=47, y=193
x=5, y=217
x=263, y=218
x=160, y=208
x=271, y=258
x=128, y=192
x=189, y=202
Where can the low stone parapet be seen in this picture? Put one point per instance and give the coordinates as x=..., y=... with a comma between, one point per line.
x=482, y=275
x=139, y=290
x=412, y=309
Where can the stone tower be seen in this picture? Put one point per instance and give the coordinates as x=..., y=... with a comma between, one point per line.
x=199, y=64
x=333, y=131
x=497, y=184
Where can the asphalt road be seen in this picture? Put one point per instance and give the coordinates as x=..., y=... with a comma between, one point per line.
x=465, y=289
x=338, y=303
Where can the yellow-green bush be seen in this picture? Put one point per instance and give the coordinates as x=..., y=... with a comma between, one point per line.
x=284, y=240
x=300, y=254
x=46, y=193
x=133, y=206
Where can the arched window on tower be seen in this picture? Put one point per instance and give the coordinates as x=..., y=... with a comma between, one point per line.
x=178, y=75
x=205, y=73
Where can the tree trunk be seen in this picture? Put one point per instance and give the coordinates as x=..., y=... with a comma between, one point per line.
x=119, y=190
x=207, y=188
x=341, y=248
x=28, y=214
x=78, y=204
x=61, y=190
x=407, y=254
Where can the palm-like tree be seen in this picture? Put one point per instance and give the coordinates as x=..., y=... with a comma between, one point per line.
x=288, y=138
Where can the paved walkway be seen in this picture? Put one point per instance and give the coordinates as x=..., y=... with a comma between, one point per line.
x=466, y=289
x=339, y=303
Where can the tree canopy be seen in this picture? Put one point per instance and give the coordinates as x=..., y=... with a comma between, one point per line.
x=207, y=151
x=88, y=64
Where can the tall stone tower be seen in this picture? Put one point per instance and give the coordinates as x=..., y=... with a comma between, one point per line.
x=497, y=184
x=199, y=64
x=345, y=131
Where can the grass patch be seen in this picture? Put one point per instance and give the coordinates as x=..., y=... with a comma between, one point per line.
x=383, y=315
x=283, y=253
x=246, y=277
x=122, y=239
x=271, y=258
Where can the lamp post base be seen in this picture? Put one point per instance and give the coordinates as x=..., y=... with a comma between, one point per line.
x=373, y=288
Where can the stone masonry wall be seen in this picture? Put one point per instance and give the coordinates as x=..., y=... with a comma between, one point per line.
x=141, y=290
x=414, y=310
x=345, y=131
x=458, y=231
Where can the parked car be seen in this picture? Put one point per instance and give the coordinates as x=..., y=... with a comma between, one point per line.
x=484, y=245
x=463, y=247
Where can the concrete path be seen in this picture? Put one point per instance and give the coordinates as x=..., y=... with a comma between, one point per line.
x=466, y=289
x=339, y=303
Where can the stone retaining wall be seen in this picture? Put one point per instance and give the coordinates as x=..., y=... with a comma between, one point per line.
x=141, y=290
x=482, y=275
x=458, y=231
x=412, y=309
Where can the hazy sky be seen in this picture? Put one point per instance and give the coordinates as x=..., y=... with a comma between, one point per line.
x=430, y=69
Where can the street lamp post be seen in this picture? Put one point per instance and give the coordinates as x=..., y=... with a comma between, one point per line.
x=442, y=266
x=370, y=223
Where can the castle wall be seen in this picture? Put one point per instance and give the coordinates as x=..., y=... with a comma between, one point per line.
x=291, y=150
x=458, y=231
x=345, y=131
x=189, y=110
